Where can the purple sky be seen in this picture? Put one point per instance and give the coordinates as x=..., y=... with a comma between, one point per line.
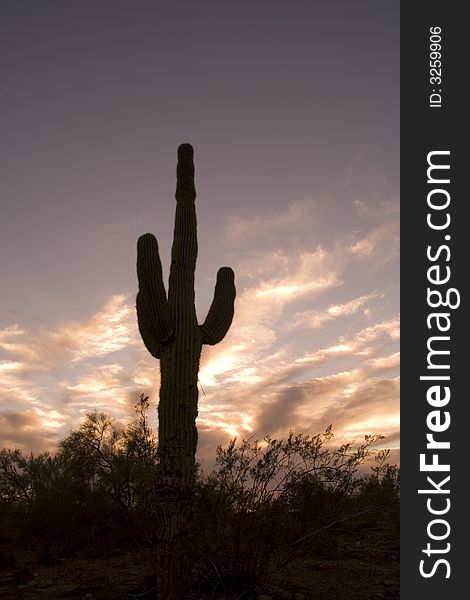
x=293, y=111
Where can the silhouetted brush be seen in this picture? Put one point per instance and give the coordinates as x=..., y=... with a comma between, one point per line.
x=171, y=333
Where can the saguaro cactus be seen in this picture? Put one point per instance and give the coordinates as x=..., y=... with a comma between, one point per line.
x=170, y=331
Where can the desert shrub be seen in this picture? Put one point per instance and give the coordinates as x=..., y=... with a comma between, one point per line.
x=382, y=486
x=95, y=487
x=267, y=502
x=264, y=504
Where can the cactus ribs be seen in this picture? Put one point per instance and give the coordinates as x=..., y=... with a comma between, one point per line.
x=170, y=331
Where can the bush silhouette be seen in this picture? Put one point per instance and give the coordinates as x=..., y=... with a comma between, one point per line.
x=95, y=486
x=265, y=503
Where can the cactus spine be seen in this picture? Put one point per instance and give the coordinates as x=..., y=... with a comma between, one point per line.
x=171, y=333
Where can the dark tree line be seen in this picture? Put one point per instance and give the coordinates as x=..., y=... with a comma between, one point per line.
x=264, y=503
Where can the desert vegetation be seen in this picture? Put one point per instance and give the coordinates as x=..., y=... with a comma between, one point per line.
x=273, y=517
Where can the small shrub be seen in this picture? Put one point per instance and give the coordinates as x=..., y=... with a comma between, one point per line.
x=265, y=504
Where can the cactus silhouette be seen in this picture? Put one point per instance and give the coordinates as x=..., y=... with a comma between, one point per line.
x=170, y=331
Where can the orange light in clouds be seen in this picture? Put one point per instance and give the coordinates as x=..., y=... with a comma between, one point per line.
x=10, y=365
x=282, y=291
x=375, y=424
x=218, y=365
x=51, y=419
x=239, y=425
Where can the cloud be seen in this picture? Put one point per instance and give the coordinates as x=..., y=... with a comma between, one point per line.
x=15, y=385
x=110, y=329
x=258, y=309
x=357, y=345
x=111, y=388
x=255, y=380
x=102, y=382
x=55, y=376
x=382, y=243
x=384, y=362
x=29, y=430
x=316, y=319
x=11, y=366
x=299, y=214
x=382, y=208
x=356, y=401
x=275, y=393
x=352, y=401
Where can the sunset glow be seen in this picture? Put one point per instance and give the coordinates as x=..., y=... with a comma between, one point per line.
x=297, y=190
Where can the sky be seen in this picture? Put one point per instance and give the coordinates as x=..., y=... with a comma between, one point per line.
x=293, y=112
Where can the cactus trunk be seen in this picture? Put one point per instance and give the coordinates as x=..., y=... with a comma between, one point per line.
x=171, y=333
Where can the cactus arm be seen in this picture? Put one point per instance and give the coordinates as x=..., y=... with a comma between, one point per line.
x=220, y=315
x=153, y=313
x=184, y=249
